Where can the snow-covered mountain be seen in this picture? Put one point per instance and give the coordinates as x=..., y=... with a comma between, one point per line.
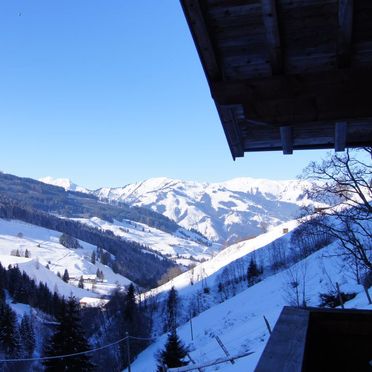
x=224, y=212
x=65, y=183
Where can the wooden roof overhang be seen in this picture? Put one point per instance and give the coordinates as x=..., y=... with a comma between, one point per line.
x=287, y=74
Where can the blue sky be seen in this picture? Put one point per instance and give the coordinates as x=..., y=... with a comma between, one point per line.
x=111, y=92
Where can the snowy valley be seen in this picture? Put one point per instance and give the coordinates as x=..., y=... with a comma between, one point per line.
x=129, y=249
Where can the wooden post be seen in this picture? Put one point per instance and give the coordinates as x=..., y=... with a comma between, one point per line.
x=193, y=361
x=367, y=294
x=339, y=295
x=191, y=330
x=224, y=349
x=267, y=324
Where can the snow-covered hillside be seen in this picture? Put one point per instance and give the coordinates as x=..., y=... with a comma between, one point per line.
x=239, y=321
x=224, y=212
x=207, y=273
x=175, y=246
x=46, y=251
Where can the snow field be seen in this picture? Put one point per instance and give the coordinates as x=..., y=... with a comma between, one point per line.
x=44, y=247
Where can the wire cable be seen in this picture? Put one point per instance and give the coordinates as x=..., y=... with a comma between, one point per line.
x=64, y=355
x=78, y=353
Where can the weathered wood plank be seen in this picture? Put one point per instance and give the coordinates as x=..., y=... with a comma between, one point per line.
x=286, y=139
x=271, y=22
x=340, y=136
x=292, y=86
x=231, y=129
x=286, y=347
x=201, y=37
x=345, y=30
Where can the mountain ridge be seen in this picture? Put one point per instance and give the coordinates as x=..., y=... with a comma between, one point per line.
x=224, y=212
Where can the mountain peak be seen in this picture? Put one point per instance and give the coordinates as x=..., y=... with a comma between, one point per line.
x=65, y=183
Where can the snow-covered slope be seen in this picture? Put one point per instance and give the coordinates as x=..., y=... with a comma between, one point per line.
x=173, y=246
x=44, y=248
x=223, y=212
x=239, y=320
x=65, y=183
x=209, y=270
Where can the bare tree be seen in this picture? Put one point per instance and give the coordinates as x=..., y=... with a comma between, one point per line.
x=342, y=184
x=295, y=285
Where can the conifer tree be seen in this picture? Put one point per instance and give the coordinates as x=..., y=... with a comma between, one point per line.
x=172, y=304
x=93, y=258
x=252, y=273
x=81, y=282
x=66, y=276
x=173, y=354
x=130, y=304
x=68, y=339
x=9, y=333
x=27, y=334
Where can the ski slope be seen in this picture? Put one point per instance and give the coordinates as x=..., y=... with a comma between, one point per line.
x=43, y=244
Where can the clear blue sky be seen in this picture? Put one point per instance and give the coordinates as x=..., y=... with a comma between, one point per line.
x=111, y=92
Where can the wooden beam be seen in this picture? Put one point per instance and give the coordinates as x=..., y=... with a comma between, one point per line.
x=345, y=31
x=285, y=349
x=292, y=86
x=199, y=30
x=270, y=20
x=340, y=136
x=232, y=129
x=286, y=139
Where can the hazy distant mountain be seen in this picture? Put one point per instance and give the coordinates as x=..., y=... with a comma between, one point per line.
x=224, y=212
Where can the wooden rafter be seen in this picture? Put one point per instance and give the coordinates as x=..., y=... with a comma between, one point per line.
x=287, y=75
x=286, y=139
x=232, y=130
x=345, y=30
x=270, y=20
x=199, y=30
x=340, y=136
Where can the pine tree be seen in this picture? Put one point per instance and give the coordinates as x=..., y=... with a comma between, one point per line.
x=81, y=282
x=99, y=274
x=27, y=334
x=27, y=253
x=9, y=333
x=252, y=273
x=130, y=307
x=93, y=258
x=173, y=354
x=66, y=277
x=172, y=304
x=68, y=339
